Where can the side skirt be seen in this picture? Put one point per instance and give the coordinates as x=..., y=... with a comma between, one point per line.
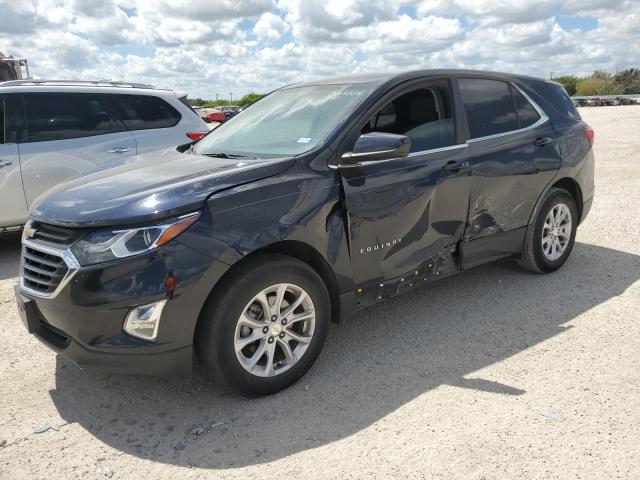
x=487, y=249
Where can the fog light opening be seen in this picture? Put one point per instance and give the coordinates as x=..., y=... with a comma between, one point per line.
x=143, y=321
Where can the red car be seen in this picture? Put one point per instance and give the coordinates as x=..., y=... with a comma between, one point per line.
x=215, y=116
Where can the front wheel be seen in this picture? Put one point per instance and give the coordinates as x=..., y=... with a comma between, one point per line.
x=550, y=239
x=264, y=326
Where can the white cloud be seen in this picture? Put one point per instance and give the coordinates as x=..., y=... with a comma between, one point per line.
x=202, y=10
x=220, y=46
x=270, y=27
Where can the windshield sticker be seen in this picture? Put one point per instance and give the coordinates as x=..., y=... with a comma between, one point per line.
x=304, y=140
x=346, y=93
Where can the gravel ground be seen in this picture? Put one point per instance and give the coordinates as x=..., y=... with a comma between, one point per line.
x=494, y=373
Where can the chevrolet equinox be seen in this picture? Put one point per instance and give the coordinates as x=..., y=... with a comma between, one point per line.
x=320, y=199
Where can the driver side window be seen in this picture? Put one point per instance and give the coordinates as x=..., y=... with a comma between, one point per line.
x=424, y=115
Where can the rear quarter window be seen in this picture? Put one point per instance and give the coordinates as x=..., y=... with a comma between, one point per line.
x=489, y=106
x=144, y=112
x=556, y=101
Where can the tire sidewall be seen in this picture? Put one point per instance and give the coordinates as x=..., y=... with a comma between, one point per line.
x=555, y=197
x=228, y=310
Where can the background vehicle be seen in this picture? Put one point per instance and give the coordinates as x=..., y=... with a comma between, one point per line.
x=219, y=114
x=229, y=110
x=320, y=199
x=11, y=68
x=53, y=130
x=215, y=115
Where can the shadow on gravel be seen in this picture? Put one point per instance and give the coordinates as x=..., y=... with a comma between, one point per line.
x=9, y=255
x=372, y=364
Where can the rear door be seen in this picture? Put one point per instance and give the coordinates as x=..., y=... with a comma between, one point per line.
x=406, y=215
x=67, y=134
x=14, y=206
x=513, y=155
x=152, y=120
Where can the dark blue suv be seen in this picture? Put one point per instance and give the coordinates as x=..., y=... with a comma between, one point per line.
x=320, y=199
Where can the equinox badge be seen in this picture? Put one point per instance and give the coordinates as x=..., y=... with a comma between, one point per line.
x=379, y=246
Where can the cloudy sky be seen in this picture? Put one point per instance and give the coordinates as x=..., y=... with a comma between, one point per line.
x=209, y=47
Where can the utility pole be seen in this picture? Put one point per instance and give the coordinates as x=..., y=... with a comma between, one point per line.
x=217, y=95
x=231, y=97
x=551, y=75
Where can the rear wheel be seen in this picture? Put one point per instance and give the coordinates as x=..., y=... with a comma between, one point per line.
x=550, y=239
x=264, y=326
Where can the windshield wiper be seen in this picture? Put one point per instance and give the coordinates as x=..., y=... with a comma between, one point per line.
x=224, y=155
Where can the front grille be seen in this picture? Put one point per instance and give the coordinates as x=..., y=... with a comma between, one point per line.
x=42, y=271
x=54, y=235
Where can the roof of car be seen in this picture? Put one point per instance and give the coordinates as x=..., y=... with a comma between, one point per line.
x=31, y=82
x=382, y=78
x=83, y=86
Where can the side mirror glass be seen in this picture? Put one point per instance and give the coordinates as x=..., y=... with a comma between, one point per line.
x=377, y=146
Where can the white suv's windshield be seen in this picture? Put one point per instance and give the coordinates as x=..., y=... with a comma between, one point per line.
x=287, y=122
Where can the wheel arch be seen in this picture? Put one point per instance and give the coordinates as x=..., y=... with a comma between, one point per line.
x=294, y=249
x=309, y=255
x=571, y=186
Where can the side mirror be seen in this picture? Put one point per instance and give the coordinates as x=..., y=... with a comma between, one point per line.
x=375, y=146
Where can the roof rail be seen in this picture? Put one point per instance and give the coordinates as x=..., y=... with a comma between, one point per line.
x=92, y=83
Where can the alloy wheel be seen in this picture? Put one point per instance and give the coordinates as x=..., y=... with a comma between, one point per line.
x=556, y=232
x=274, y=330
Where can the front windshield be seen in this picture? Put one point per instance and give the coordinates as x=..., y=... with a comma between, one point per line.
x=287, y=122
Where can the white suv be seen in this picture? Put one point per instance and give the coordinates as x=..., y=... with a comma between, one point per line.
x=53, y=130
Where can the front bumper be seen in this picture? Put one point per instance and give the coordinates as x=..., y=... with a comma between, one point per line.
x=83, y=321
x=133, y=360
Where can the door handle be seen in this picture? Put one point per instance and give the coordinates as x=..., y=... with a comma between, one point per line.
x=454, y=166
x=4, y=163
x=542, y=141
x=118, y=150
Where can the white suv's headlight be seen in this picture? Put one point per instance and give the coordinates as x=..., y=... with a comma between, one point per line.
x=105, y=245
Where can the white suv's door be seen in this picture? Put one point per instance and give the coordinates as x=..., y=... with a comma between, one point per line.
x=14, y=208
x=67, y=134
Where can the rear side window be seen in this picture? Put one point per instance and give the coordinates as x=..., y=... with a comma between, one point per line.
x=143, y=112
x=489, y=106
x=527, y=115
x=62, y=116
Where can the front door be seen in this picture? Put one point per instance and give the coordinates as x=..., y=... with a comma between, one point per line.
x=406, y=215
x=14, y=206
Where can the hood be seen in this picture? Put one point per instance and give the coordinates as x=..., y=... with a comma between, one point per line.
x=148, y=187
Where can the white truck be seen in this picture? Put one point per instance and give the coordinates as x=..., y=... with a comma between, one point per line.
x=11, y=68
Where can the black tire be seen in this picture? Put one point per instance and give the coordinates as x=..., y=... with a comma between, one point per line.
x=533, y=257
x=215, y=334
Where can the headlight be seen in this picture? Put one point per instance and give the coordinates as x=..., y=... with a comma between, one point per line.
x=105, y=245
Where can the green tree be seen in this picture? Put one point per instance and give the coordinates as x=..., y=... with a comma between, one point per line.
x=249, y=98
x=599, y=83
x=569, y=82
x=629, y=80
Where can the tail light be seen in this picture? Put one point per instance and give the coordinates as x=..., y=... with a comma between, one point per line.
x=590, y=134
x=196, y=135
